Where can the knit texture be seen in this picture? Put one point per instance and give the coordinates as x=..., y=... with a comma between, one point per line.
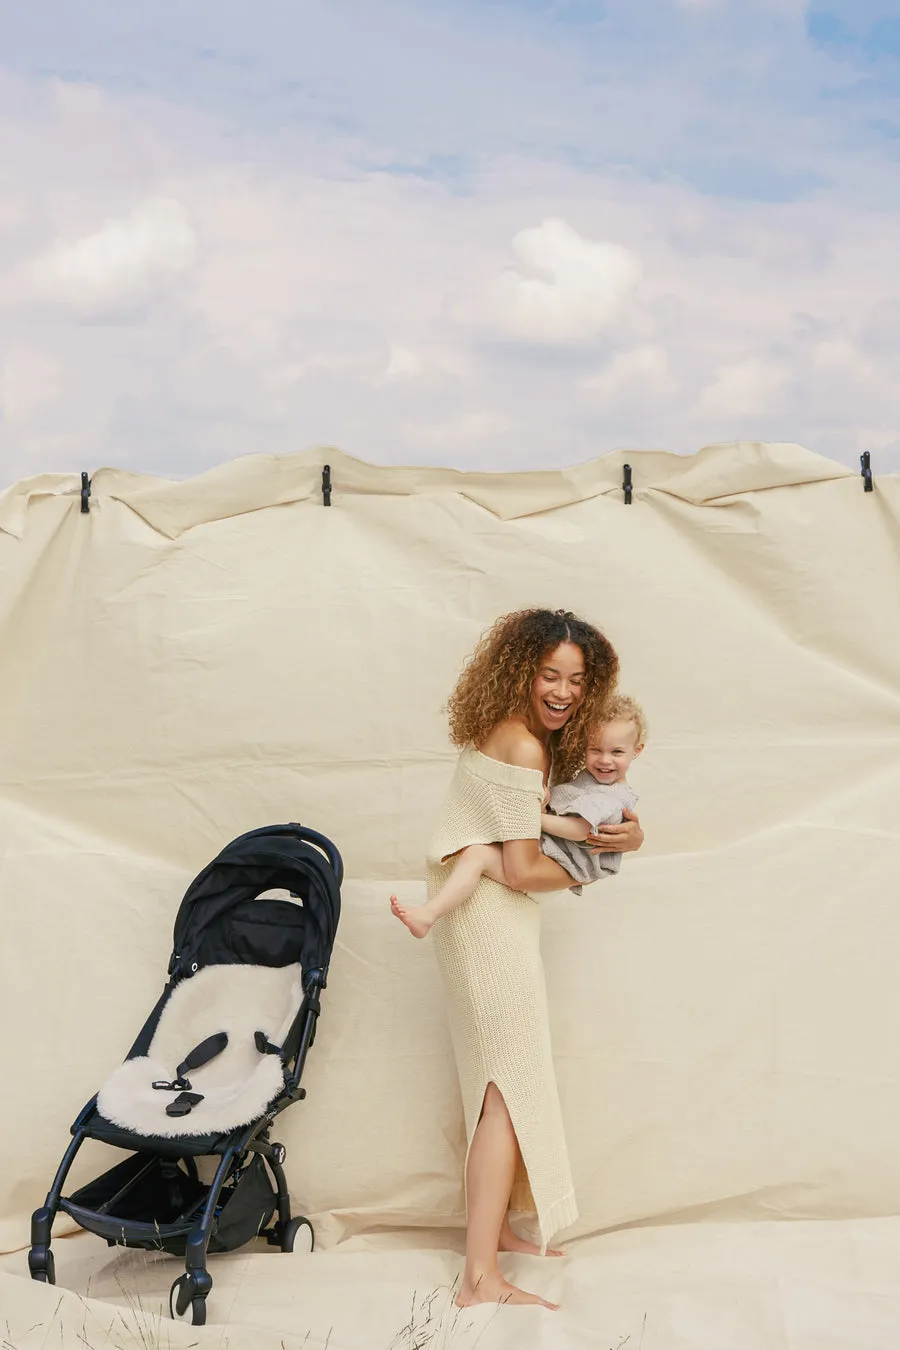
x=488, y=950
x=598, y=804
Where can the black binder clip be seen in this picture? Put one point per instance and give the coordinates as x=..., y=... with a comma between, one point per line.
x=326, y=485
x=865, y=468
x=85, y=494
x=626, y=483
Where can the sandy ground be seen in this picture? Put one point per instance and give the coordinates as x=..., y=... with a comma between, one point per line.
x=792, y=1285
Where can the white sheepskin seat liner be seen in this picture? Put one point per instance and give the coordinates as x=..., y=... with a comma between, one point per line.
x=240, y=1083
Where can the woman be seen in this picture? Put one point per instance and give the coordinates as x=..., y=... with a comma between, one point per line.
x=520, y=712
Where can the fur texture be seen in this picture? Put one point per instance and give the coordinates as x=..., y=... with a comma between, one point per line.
x=238, y=1084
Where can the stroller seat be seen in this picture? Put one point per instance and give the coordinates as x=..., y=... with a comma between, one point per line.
x=254, y=1008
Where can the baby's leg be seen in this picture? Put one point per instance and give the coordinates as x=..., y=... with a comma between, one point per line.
x=471, y=865
x=493, y=864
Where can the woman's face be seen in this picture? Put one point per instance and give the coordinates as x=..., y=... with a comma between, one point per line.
x=558, y=686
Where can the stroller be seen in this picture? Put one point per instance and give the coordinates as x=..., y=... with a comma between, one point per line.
x=220, y=1056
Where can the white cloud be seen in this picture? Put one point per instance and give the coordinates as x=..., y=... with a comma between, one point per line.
x=424, y=364
x=746, y=388
x=464, y=432
x=403, y=364
x=643, y=369
x=839, y=358
x=30, y=382
x=562, y=287
x=312, y=298
x=120, y=265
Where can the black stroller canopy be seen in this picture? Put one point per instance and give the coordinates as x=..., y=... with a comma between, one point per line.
x=221, y=920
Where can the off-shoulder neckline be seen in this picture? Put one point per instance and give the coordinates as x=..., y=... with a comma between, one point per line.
x=499, y=768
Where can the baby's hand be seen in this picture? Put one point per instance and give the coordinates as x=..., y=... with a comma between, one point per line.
x=546, y=801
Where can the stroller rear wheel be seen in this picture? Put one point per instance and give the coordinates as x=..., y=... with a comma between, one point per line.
x=292, y=1228
x=185, y=1305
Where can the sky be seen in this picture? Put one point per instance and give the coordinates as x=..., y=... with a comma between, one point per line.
x=497, y=235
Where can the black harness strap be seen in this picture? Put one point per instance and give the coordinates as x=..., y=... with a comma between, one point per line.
x=265, y=1046
x=201, y=1054
x=194, y=1059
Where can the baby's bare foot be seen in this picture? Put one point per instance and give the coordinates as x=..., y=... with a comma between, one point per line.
x=417, y=922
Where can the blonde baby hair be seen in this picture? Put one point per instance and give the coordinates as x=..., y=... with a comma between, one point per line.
x=622, y=708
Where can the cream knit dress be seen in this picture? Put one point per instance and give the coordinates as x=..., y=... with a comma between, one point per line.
x=489, y=954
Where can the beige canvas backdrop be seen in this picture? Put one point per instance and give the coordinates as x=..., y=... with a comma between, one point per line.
x=191, y=660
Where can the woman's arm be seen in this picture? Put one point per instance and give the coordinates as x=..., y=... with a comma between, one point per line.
x=565, y=827
x=624, y=838
x=523, y=861
x=527, y=869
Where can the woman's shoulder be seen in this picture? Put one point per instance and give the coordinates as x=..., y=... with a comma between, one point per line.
x=512, y=743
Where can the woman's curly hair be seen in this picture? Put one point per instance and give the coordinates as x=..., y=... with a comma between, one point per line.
x=497, y=679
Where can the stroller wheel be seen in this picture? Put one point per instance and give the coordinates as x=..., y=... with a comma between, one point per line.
x=289, y=1236
x=185, y=1308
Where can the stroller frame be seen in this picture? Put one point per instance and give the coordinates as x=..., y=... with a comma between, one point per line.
x=193, y=1230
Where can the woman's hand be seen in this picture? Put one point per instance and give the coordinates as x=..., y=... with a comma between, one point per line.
x=624, y=838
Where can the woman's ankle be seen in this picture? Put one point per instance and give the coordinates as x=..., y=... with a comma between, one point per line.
x=476, y=1271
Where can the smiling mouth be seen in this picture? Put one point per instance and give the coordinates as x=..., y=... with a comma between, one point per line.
x=557, y=709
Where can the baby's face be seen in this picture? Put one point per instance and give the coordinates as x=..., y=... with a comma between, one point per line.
x=611, y=748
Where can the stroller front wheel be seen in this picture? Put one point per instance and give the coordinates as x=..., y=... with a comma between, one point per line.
x=184, y=1305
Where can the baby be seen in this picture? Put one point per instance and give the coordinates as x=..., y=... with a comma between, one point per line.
x=597, y=796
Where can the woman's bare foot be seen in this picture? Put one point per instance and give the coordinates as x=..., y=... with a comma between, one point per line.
x=419, y=924
x=494, y=1289
x=511, y=1242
